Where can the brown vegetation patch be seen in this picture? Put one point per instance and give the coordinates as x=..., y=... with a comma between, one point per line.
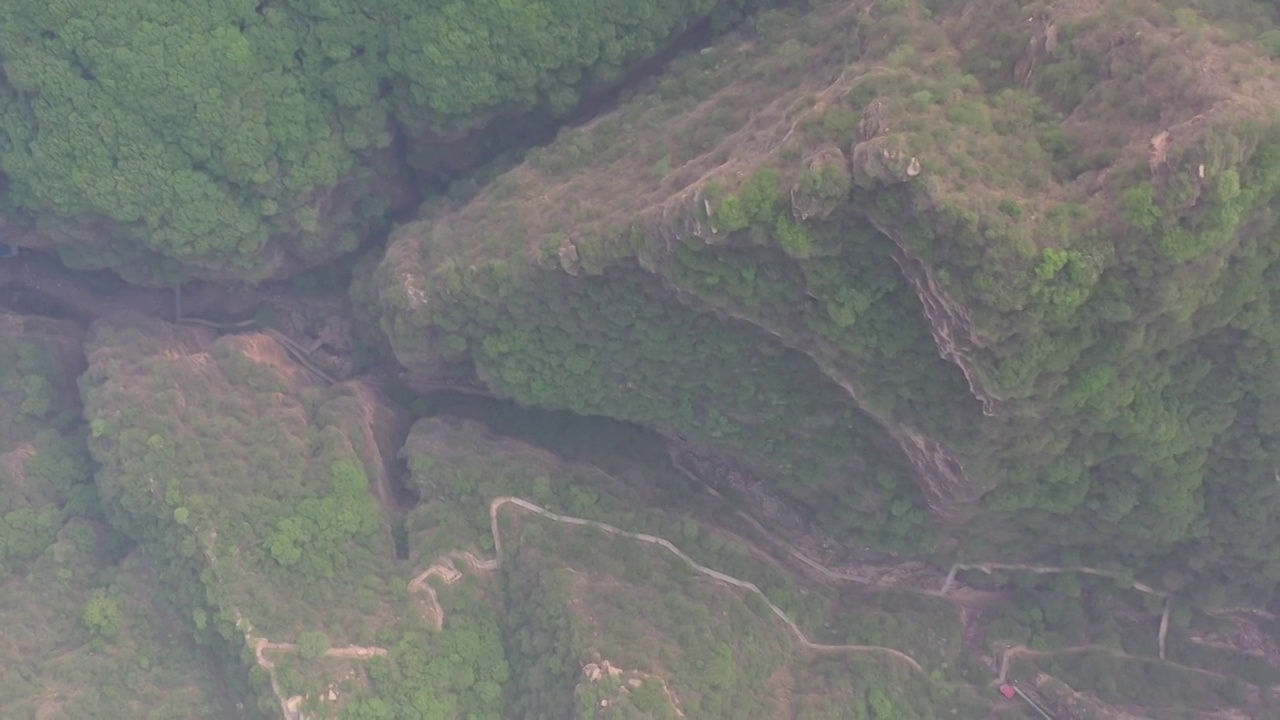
x=14, y=463
x=780, y=685
x=584, y=591
x=1246, y=638
x=1159, y=84
x=266, y=351
x=748, y=111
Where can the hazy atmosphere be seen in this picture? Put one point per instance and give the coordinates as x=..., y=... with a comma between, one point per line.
x=639, y=359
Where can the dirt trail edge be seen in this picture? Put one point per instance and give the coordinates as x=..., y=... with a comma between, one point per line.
x=445, y=570
x=1024, y=651
x=449, y=574
x=261, y=645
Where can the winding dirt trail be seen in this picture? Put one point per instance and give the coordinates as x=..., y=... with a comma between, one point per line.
x=989, y=568
x=358, y=652
x=804, y=640
x=445, y=570
x=261, y=646
x=289, y=706
x=1024, y=651
x=450, y=574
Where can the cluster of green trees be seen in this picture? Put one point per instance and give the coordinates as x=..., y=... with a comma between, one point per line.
x=313, y=539
x=590, y=345
x=108, y=641
x=47, y=479
x=542, y=637
x=172, y=139
x=51, y=486
x=106, y=629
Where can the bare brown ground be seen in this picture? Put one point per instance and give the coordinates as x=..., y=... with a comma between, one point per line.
x=268, y=352
x=1245, y=637
x=14, y=462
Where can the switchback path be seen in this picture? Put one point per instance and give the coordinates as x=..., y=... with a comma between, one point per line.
x=495, y=506
x=444, y=569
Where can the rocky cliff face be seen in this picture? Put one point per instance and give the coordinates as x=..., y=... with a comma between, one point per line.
x=985, y=281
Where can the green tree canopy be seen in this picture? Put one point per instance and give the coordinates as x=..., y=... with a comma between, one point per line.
x=198, y=130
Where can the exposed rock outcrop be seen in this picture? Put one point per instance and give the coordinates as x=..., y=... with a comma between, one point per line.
x=882, y=161
x=949, y=321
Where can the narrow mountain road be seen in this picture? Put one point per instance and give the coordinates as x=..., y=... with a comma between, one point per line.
x=1024, y=651
x=439, y=569
x=358, y=652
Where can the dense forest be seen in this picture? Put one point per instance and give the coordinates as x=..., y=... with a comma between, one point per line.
x=639, y=358
x=175, y=139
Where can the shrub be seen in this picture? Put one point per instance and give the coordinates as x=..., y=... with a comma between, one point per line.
x=313, y=644
x=101, y=616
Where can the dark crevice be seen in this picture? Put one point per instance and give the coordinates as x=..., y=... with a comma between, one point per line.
x=510, y=136
x=25, y=301
x=400, y=537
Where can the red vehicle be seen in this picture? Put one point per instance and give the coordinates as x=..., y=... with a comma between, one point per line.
x=1009, y=691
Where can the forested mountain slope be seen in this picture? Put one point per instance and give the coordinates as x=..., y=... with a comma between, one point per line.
x=247, y=139
x=85, y=630
x=989, y=279
x=837, y=358
x=257, y=489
